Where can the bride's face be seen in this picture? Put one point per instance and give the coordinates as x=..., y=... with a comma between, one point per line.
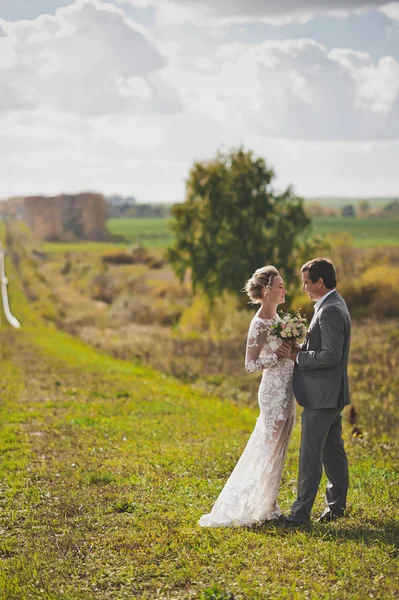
x=278, y=291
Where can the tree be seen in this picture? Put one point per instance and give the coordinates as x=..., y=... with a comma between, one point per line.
x=391, y=209
x=316, y=209
x=348, y=210
x=232, y=222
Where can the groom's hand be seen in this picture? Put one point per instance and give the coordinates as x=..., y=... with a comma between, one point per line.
x=280, y=353
x=287, y=351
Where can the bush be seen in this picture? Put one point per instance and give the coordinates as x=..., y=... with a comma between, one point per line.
x=105, y=287
x=19, y=243
x=195, y=318
x=135, y=255
x=302, y=303
x=145, y=310
x=375, y=293
x=223, y=319
x=118, y=258
x=384, y=281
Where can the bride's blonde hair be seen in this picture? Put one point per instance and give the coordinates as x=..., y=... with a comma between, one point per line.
x=261, y=279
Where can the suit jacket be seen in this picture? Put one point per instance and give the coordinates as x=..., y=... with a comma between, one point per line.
x=321, y=373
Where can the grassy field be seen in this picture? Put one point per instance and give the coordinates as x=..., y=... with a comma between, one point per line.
x=152, y=233
x=107, y=466
x=81, y=246
x=155, y=233
x=367, y=232
x=148, y=232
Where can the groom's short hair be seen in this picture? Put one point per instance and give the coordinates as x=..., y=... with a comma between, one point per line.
x=321, y=267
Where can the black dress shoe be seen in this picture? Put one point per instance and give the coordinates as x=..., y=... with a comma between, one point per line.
x=294, y=524
x=328, y=516
x=279, y=519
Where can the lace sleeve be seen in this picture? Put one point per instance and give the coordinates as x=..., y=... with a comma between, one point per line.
x=257, y=339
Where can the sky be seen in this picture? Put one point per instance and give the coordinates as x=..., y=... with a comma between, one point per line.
x=123, y=96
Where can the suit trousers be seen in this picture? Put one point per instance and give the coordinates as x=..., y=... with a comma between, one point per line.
x=321, y=446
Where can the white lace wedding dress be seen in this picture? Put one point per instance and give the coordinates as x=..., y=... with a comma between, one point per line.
x=250, y=493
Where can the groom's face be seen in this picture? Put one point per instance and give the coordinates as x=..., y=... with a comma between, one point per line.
x=314, y=290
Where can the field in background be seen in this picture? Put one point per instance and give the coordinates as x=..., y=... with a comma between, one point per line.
x=151, y=233
x=155, y=233
x=63, y=247
x=367, y=232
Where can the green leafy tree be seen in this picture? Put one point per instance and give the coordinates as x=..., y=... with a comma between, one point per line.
x=348, y=210
x=232, y=222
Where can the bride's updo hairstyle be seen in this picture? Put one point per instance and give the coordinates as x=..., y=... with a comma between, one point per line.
x=260, y=280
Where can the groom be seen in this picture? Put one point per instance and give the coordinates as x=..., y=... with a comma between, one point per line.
x=321, y=387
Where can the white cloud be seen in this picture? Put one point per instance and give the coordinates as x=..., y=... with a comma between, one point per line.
x=274, y=11
x=296, y=89
x=89, y=100
x=391, y=10
x=335, y=168
x=87, y=59
x=285, y=100
x=377, y=84
x=150, y=157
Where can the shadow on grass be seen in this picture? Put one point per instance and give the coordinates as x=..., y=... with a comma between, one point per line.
x=370, y=532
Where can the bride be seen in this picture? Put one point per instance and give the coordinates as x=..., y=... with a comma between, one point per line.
x=250, y=493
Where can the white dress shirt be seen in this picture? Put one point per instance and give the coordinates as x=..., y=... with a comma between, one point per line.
x=316, y=308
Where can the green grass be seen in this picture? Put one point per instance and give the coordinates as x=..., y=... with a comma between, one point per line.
x=63, y=247
x=154, y=233
x=367, y=232
x=107, y=466
x=101, y=495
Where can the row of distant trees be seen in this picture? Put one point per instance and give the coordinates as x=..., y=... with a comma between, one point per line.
x=361, y=209
x=127, y=206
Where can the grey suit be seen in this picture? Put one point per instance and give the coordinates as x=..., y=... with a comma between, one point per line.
x=321, y=387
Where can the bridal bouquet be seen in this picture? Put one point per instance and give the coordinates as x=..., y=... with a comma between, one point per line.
x=291, y=327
